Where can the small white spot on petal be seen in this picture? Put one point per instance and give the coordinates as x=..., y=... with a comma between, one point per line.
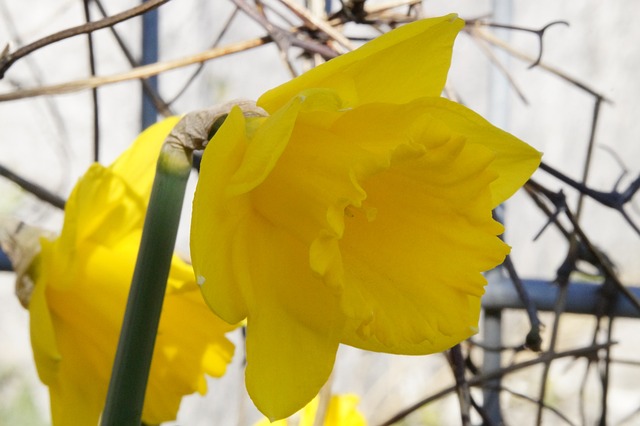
x=200, y=280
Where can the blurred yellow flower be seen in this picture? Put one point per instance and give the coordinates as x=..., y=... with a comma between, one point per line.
x=82, y=283
x=341, y=411
x=357, y=212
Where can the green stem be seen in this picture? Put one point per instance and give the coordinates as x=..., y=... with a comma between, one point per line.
x=125, y=397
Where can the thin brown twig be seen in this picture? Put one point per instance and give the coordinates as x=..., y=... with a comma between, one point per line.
x=557, y=314
x=376, y=14
x=535, y=401
x=290, y=36
x=456, y=361
x=496, y=41
x=605, y=375
x=33, y=188
x=10, y=58
x=161, y=106
x=316, y=23
x=552, y=216
x=478, y=380
x=590, y=146
x=136, y=73
x=503, y=69
x=539, y=32
x=562, y=280
x=533, y=339
x=277, y=34
x=59, y=129
x=200, y=67
x=94, y=91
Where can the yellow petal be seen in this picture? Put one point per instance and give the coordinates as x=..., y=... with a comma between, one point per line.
x=515, y=160
x=88, y=311
x=43, y=338
x=233, y=164
x=411, y=267
x=343, y=411
x=267, y=422
x=340, y=411
x=214, y=223
x=189, y=344
x=248, y=264
x=309, y=412
x=289, y=309
x=405, y=64
x=264, y=150
x=99, y=198
x=137, y=165
x=190, y=340
x=116, y=195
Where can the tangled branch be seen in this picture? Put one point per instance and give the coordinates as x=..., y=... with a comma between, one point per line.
x=9, y=58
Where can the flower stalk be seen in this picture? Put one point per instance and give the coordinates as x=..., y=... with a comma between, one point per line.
x=125, y=397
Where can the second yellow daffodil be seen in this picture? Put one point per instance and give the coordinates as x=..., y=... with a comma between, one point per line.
x=341, y=410
x=82, y=280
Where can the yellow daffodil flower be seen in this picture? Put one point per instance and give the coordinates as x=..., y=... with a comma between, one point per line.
x=358, y=212
x=82, y=283
x=341, y=411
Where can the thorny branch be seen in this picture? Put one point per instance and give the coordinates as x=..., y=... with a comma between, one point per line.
x=492, y=39
x=464, y=394
x=533, y=340
x=613, y=199
x=590, y=252
x=539, y=32
x=479, y=380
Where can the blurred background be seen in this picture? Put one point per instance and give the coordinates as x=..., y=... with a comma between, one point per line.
x=578, y=105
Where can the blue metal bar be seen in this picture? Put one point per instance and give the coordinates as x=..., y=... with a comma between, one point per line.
x=5, y=263
x=582, y=297
x=149, y=56
x=491, y=360
x=492, y=327
x=498, y=113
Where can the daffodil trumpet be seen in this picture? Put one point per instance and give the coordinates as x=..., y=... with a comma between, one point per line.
x=125, y=397
x=357, y=212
